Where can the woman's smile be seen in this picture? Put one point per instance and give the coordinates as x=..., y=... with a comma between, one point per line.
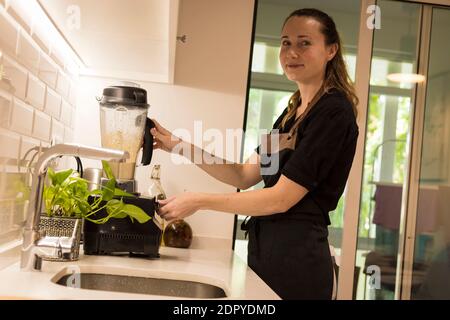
x=294, y=65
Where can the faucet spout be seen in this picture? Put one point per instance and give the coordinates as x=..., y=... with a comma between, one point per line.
x=31, y=236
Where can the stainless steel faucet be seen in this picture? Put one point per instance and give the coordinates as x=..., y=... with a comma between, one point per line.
x=34, y=246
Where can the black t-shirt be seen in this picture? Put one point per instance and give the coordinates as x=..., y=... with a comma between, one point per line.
x=322, y=158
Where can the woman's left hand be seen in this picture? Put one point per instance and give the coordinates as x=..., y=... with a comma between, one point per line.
x=179, y=207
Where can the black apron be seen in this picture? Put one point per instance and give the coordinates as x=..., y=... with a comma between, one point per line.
x=292, y=256
x=291, y=252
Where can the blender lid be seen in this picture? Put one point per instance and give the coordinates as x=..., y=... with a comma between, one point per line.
x=131, y=96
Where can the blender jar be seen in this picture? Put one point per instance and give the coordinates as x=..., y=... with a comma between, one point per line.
x=123, y=117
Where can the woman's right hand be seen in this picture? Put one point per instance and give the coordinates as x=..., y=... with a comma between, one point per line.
x=163, y=139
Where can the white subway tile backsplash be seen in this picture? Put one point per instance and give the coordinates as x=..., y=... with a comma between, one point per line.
x=10, y=143
x=58, y=57
x=9, y=33
x=26, y=20
x=57, y=135
x=19, y=213
x=73, y=94
x=17, y=75
x=22, y=17
x=35, y=92
x=48, y=70
x=41, y=126
x=68, y=135
x=5, y=109
x=11, y=189
x=28, y=52
x=37, y=96
x=6, y=210
x=26, y=145
x=22, y=117
x=66, y=114
x=63, y=85
x=74, y=118
x=41, y=41
x=53, y=104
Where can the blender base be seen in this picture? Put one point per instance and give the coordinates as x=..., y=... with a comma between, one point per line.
x=123, y=236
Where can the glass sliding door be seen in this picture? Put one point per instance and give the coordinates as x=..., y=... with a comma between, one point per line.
x=430, y=263
x=388, y=130
x=403, y=248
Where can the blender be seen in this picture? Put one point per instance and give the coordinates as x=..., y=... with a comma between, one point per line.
x=125, y=126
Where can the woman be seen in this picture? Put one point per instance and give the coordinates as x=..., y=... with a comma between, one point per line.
x=288, y=246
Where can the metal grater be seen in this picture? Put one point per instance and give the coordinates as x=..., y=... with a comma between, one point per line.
x=62, y=227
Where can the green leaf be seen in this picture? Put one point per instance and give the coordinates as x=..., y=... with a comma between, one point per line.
x=60, y=177
x=114, y=206
x=51, y=175
x=107, y=169
x=136, y=212
x=108, y=190
x=120, y=215
x=49, y=194
x=96, y=192
x=120, y=193
x=67, y=195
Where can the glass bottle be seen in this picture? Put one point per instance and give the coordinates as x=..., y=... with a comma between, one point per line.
x=156, y=190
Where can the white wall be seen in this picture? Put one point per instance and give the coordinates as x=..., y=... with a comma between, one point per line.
x=210, y=86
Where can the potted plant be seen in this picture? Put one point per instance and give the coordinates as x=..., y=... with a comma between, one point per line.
x=67, y=198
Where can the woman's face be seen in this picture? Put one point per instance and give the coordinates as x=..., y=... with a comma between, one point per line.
x=303, y=53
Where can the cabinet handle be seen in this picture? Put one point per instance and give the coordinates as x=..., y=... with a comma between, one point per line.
x=182, y=38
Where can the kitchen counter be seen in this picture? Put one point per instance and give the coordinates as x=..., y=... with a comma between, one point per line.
x=204, y=262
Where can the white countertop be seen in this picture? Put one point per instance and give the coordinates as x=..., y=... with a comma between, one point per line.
x=205, y=263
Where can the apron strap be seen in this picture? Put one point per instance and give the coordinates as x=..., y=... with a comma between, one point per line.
x=311, y=104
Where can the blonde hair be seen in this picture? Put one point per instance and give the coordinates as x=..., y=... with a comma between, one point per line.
x=336, y=75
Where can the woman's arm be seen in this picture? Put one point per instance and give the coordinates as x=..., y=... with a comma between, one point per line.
x=241, y=176
x=277, y=199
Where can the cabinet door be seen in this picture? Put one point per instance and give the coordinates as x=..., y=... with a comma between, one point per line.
x=119, y=39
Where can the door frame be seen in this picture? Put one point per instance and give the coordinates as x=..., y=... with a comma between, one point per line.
x=354, y=182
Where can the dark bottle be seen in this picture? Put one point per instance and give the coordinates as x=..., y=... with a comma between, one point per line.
x=178, y=234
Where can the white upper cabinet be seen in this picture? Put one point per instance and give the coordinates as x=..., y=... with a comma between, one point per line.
x=127, y=40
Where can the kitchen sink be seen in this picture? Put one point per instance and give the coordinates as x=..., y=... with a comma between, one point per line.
x=141, y=285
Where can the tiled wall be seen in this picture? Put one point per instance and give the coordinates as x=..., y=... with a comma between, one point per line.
x=37, y=105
